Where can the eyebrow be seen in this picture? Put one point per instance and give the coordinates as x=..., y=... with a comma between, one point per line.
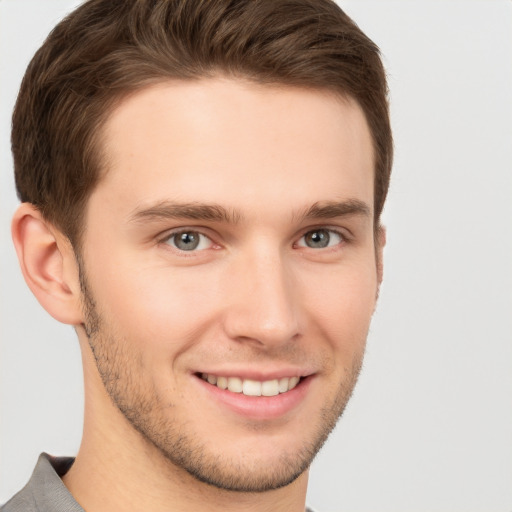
x=218, y=213
x=333, y=209
x=192, y=211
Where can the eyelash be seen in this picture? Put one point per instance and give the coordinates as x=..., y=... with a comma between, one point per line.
x=170, y=236
x=344, y=238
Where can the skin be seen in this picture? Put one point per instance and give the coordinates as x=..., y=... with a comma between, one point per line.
x=252, y=300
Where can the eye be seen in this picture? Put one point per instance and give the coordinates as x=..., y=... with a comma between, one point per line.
x=320, y=239
x=189, y=241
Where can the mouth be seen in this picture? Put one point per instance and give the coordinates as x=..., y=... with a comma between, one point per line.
x=250, y=387
x=256, y=397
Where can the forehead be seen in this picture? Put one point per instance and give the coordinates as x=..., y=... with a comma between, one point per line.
x=225, y=140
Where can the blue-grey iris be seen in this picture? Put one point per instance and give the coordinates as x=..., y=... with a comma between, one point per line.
x=317, y=239
x=187, y=241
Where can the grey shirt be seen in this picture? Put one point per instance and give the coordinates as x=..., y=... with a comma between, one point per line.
x=45, y=491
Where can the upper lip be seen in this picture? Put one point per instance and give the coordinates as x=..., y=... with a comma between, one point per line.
x=258, y=375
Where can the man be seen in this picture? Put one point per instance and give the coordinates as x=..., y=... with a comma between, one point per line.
x=201, y=186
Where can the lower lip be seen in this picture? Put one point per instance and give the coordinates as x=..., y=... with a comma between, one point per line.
x=259, y=407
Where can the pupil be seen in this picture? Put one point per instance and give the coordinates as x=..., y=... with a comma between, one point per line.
x=318, y=239
x=187, y=241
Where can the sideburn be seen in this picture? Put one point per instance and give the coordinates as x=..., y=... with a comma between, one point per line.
x=91, y=324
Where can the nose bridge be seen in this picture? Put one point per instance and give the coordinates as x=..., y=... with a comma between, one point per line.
x=263, y=308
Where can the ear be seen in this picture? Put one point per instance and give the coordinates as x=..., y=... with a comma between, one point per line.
x=48, y=264
x=380, y=243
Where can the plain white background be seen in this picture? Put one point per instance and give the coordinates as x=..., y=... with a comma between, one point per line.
x=430, y=425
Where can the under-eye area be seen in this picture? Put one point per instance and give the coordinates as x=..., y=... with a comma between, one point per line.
x=250, y=387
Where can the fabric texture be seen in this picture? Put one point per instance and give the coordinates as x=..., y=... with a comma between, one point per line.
x=45, y=491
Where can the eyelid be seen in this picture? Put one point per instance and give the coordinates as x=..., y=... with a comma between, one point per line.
x=168, y=234
x=162, y=238
x=344, y=233
x=303, y=244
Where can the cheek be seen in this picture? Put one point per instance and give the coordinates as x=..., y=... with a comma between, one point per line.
x=343, y=306
x=170, y=308
x=162, y=306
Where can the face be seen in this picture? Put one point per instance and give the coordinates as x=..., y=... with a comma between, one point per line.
x=229, y=273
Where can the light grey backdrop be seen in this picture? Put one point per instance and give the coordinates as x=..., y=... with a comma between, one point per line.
x=430, y=425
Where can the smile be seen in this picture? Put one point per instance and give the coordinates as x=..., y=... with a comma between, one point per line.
x=250, y=387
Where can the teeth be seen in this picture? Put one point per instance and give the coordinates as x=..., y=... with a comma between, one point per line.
x=222, y=382
x=270, y=388
x=293, y=382
x=235, y=384
x=252, y=387
x=283, y=385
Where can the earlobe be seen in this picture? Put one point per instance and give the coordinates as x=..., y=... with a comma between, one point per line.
x=48, y=264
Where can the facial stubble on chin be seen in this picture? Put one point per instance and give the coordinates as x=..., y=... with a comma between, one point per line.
x=175, y=442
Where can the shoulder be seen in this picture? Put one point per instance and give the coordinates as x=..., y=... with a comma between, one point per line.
x=45, y=491
x=23, y=501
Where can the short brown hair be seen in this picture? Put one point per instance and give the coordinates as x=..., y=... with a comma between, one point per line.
x=106, y=49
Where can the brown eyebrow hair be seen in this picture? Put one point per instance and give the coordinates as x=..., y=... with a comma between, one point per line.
x=192, y=211
x=218, y=213
x=333, y=209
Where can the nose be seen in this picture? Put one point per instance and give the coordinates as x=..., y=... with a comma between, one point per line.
x=263, y=305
